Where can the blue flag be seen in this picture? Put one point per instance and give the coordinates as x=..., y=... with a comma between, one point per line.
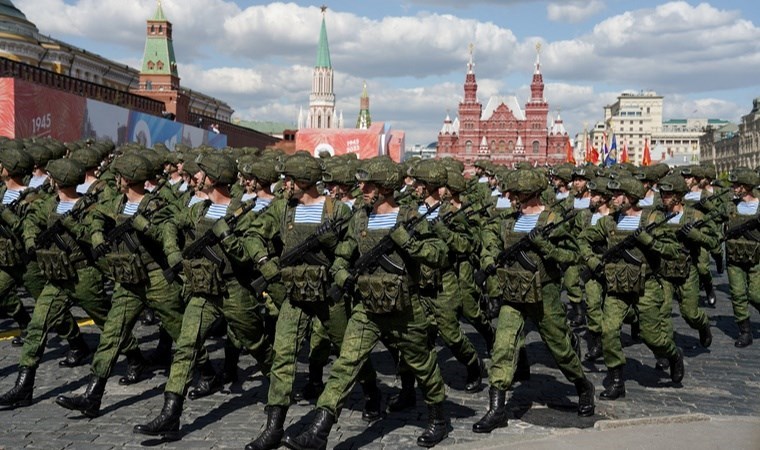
x=611, y=158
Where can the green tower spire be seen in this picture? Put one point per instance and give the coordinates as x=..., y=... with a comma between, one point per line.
x=323, y=51
x=364, y=120
x=159, y=50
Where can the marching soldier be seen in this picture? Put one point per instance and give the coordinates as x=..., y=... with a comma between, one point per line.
x=571, y=278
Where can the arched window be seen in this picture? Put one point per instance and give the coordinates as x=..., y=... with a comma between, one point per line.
x=535, y=146
x=468, y=147
x=152, y=29
x=502, y=146
x=493, y=146
x=511, y=146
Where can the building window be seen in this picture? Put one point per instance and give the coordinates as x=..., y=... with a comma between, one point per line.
x=535, y=147
x=502, y=146
x=493, y=146
x=148, y=85
x=152, y=29
x=468, y=147
x=160, y=65
x=511, y=146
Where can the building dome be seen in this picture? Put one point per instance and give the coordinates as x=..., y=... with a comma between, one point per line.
x=7, y=9
x=12, y=20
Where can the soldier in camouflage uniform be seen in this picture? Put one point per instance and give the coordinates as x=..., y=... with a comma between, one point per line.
x=215, y=288
x=631, y=280
x=387, y=307
x=292, y=220
x=743, y=251
x=529, y=287
x=66, y=262
x=680, y=280
x=571, y=278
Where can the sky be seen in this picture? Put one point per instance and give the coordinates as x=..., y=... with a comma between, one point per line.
x=703, y=57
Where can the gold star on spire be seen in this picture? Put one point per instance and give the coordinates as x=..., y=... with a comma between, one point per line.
x=323, y=8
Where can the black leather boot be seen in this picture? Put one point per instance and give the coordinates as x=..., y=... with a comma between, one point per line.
x=18, y=341
x=745, y=334
x=475, y=372
x=314, y=437
x=676, y=366
x=148, y=317
x=437, y=429
x=231, y=360
x=575, y=316
x=166, y=424
x=372, y=402
x=22, y=318
x=594, y=347
x=705, y=336
x=616, y=388
x=314, y=387
x=522, y=371
x=78, y=352
x=209, y=382
x=21, y=392
x=136, y=365
x=585, y=389
x=272, y=435
x=89, y=402
x=636, y=331
x=161, y=357
x=709, y=290
x=662, y=364
x=496, y=417
x=407, y=396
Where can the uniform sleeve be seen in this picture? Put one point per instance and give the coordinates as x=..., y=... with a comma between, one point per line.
x=491, y=246
x=345, y=250
x=170, y=230
x=264, y=229
x=665, y=241
x=35, y=222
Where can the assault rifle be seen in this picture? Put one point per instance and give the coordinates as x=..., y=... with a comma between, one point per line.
x=742, y=228
x=123, y=232
x=53, y=232
x=687, y=227
x=378, y=254
x=517, y=250
x=300, y=251
x=201, y=247
x=625, y=245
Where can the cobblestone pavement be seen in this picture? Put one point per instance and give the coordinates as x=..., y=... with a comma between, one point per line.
x=720, y=381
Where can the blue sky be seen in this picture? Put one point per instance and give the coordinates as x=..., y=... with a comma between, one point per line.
x=704, y=57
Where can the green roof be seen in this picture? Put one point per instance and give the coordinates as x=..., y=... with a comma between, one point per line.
x=323, y=52
x=159, y=49
x=266, y=127
x=159, y=15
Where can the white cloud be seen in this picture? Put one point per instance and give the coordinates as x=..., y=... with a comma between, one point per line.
x=573, y=11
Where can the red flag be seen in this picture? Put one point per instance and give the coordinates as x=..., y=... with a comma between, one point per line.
x=569, y=149
x=647, y=158
x=624, y=153
x=592, y=155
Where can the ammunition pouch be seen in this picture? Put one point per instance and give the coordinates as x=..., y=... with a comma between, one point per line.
x=202, y=277
x=517, y=285
x=126, y=268
x=383, y=293
x=430, y=277
x=9, y=255
x=305, y=283
x=624, y=279
x=56, y=265
x=742, y=252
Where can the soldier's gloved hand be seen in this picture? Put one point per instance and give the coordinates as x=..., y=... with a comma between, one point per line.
x=140, y=223
x=686, y=229
x=221, y=229
x=695, y=235
x=643, y=237
x=400, y=236
x=540, y=242
x=269, y=269
x=100, y=250
x=174, y=258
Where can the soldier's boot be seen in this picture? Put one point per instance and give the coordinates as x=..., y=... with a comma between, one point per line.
x=166, y=424
x=22, y=318
x=314, y=387
x=272, y=435
x=407, y=396
x=575, y=341
x=148, y=317
x=594, y=347
x=21, y=392
x=705, y=336
x=676, y=366
x=89, y=402
x=78, y=352
x=745, y=334
x=209, y=382
x=231, y=360
x=636, y=331
x=709, y=290
x=136, y=365
x=372, y=402
x=315, y=436
x=662, y=364
x=575, y=315
x=437, y=429
x=161, y=357
x=475, y=373
x=496, y=417
x=489, y=336
x=585, y=389
x=616, y=388
x=522, y=371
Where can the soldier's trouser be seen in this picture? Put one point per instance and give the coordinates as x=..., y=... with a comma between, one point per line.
x=471, y=310
x=405, y=330
x=86, y=291
x=703, y=266
x=33, y=280
x=244, y=321
x=686, y=293
x=571, y=280
x=446, y=307
x=655, y=331
x=744, y=286
x=549, y=317
x=127, y=303
x=292, y=324
x=594, y=301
